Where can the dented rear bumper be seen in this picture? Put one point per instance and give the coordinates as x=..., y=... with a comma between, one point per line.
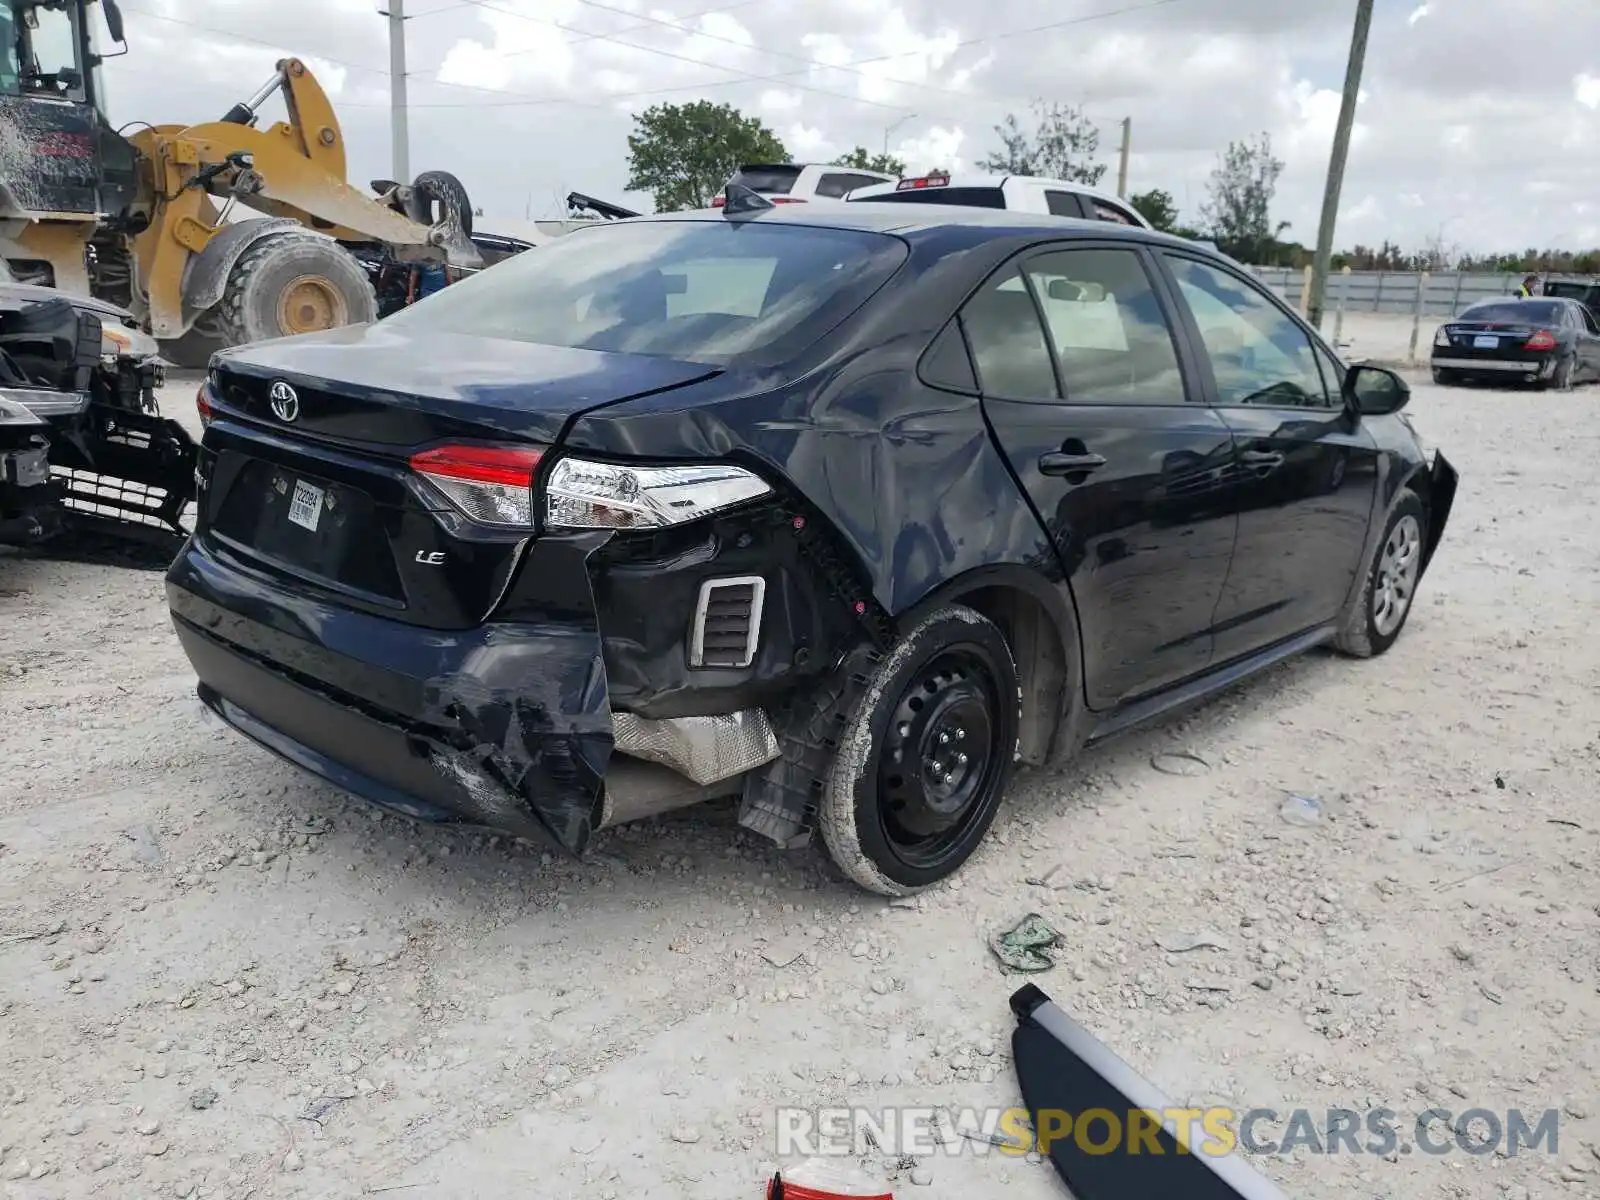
x=506, y=725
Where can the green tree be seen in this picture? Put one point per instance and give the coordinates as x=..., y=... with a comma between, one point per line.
x=863, y=161
x=1062, y=145
x=1157, y=207
x=683, y=154
x=1238, y=208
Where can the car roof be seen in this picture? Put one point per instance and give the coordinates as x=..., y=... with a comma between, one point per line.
x=918, y=221
x=994, y=181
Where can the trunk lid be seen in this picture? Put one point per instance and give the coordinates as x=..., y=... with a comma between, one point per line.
x=327, y=501
x=1490, y=339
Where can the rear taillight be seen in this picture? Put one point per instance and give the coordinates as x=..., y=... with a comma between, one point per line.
x=202, y=404
x=1442, y=337
x=1543, y=340
x=718, y=201
x=493, y=485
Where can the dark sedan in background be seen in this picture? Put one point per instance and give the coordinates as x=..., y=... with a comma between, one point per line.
x=1549, y=341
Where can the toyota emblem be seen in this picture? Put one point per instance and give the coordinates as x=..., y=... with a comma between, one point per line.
x=285, y=401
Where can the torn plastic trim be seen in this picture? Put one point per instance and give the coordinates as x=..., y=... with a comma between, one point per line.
x=704, y=750
x=1064, y=1072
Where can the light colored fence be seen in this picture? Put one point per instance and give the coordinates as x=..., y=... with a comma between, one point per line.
x=1445, y=294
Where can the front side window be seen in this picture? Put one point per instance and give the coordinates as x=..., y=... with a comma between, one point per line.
x=1110, y=335
x=1258, y=355
x=702, y=291
x=1007, y=341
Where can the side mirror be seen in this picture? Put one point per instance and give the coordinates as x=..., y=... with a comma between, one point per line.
x=1375, y=391
x=113, y=16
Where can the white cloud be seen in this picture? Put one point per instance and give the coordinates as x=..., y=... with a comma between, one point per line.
x=777, y=101
x=1417, y=13
x=1586, y=90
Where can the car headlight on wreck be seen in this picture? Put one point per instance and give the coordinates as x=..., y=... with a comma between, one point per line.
x=592, y=495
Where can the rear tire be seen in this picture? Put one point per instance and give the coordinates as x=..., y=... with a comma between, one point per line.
x=1388, y=590
x=291, y=283
x=925, y=756
x=441, y=189
x=1443, y=377
x=1566, y=371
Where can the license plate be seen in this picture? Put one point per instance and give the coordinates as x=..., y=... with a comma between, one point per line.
x=1486, y=343
x=305, y=506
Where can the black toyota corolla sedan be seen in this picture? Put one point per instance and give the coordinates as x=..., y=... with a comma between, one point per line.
x=845, y=513
x=1549, y=341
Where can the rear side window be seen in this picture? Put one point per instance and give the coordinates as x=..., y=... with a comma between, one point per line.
x=963, y=197
x=1104, y=211
x=1063, y=204
x=702, y=291
x=1110, y=335
x=769, y=181
x=1007, y=341
x=836, y=183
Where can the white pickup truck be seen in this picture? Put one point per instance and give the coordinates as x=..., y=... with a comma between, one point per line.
x=1017, y=193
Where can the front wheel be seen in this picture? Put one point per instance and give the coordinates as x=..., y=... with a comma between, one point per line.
x=1379, y=611
x=925, y=756
x=294, y=282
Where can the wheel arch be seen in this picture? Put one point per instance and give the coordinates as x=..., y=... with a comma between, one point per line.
x=1040, y=625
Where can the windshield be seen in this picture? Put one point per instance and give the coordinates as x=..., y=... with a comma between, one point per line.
x=1515, y=312
x=705, y=291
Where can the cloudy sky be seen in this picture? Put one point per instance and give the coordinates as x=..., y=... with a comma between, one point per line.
x=1479, y=121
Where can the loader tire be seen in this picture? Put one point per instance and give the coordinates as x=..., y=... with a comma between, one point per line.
x=445, y=190
x=294, y=282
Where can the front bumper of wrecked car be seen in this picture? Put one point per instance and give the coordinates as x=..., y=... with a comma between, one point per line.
x=506, y=726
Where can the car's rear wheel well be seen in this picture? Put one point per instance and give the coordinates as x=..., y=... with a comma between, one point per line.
x=1041, y=660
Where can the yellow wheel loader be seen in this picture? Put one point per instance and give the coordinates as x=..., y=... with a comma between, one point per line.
x=212, y=234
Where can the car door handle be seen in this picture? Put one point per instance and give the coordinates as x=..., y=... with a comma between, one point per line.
x=1261, y=460
x=1058, y=462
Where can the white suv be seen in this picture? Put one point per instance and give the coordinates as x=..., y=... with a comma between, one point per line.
x=1018, y=193
x=798, y=183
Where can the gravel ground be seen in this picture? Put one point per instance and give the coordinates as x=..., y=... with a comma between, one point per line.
x=220, y=979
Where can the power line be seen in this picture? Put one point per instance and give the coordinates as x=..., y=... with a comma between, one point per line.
x=698, y=62
x=239, y=37
x=526, y=100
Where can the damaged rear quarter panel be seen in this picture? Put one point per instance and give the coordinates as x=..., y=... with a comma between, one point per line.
x=906, y=476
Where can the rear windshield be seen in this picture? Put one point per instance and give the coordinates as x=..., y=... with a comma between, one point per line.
x=1514, y=312
x=705, y=291
x=769, y=181
x=961, y=197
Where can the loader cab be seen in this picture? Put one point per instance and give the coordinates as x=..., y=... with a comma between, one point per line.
x=67, y=161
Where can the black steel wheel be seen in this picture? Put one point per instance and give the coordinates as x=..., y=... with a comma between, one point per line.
x=925, y=757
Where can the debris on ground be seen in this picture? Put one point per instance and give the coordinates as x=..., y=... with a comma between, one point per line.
x=1301, y=810
x=1180, y=762
x=1023, y=947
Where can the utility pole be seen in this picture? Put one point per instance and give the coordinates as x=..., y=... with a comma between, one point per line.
x=1341, y=151
x=891, y=128
x=1122, y=169
x=400, y=140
